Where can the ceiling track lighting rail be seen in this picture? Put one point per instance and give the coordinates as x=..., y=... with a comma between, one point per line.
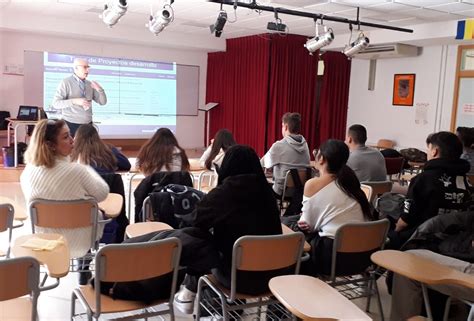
x=315, y=16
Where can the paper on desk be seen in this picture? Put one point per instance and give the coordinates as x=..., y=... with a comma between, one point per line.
x=39, y=244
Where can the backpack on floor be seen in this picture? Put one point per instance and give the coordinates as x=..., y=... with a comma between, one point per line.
x=390, y=205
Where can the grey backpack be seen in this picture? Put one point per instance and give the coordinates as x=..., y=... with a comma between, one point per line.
x=390, y=205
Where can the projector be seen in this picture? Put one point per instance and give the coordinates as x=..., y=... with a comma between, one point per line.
x=281, y=27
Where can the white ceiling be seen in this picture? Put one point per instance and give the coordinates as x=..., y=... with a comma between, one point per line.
x=193, y=17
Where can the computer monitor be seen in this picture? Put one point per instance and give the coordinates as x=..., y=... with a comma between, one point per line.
x=28, y=113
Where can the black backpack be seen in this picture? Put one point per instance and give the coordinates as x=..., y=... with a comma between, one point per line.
x=390, y=205
x=174, y=203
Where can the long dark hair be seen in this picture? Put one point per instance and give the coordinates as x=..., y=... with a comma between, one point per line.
x=91, y=150
x=336, y=154
x=158, y=152
x=239, y=160
x=224, y=140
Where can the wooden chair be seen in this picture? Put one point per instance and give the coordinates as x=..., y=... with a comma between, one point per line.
x=252, y=253
x=63, y=217
x=378, y=188
x=310, y=298
x=360, y=240
x=19, y=277
x=394, y=166
x=7, y=214
x=290, y=186
x=367, y=191
x=385, y=143
x=126, y=263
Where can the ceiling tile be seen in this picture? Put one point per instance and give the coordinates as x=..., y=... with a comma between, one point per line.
x=424, y=3
x=391, y=7
x=453, y=7
x=326, y=8
x=361, y=3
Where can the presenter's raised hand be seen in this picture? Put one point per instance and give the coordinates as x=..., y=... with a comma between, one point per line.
x=96, y=85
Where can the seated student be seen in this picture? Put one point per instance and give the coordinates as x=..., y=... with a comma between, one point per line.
x=89, y=149
x=440, y=189
x=290, y=152
x=241, y=204
x=50, y=175
x=331, y=200
x=367, y=163
x=466, y=135
x=407, y=296
x=162, y=153
x=214, y=154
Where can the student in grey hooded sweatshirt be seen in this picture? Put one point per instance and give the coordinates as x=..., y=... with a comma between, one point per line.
x=290, y=152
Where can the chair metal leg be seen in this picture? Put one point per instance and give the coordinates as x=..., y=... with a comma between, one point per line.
x=379, y=302
x=73, y=305
x=369, y=297
x=427, y=302
x=446, y=309
x=198, y=298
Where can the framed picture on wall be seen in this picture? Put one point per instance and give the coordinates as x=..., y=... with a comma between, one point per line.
x=403, y=89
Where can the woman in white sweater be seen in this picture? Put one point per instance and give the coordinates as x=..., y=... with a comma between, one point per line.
x=50, y=175
x=331, y=200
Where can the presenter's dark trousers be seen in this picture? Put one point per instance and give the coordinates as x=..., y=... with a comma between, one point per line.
x=73, y=127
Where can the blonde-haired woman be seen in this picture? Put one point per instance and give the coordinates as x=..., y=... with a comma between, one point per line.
x=162, y=153
x=50, y=175
x=89, y=149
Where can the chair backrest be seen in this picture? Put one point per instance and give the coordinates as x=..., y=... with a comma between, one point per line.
x=211, y=180
x=19, y=277
x=7, y=213
x=470, y=178
x=394, y=165
x=289, y=185
x=264, y=253
x=137, y=261
x=378, y=188
x=362, y=238
x=367, y=191
x=6, y=217
x=385, y=143
x=65, y=214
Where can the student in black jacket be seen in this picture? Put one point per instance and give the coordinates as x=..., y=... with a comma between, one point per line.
x=441, y=188
x=241, y=204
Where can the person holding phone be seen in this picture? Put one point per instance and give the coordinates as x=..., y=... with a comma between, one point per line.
x=75, y=94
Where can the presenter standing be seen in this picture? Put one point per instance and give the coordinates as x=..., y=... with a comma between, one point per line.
x=75, y=94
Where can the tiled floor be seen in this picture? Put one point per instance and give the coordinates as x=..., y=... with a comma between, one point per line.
x=54, y=305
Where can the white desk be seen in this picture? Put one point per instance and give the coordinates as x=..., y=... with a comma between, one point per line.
x=13, y=124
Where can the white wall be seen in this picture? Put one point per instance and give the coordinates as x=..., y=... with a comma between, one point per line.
x=435, y=74
x=190, y=129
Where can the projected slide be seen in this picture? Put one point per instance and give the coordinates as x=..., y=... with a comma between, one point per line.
x=138, y=92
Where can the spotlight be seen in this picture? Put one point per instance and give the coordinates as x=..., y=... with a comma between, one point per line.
x=114, y=12
x=218, y=26
x=160, y=20
x=319, y=41
x=276, y=26
x=358, y=45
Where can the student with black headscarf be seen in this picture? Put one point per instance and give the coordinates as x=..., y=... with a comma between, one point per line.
x=241, y=204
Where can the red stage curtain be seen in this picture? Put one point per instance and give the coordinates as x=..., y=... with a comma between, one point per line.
x=292, y=86
x=238, y=80
x=332, y=116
